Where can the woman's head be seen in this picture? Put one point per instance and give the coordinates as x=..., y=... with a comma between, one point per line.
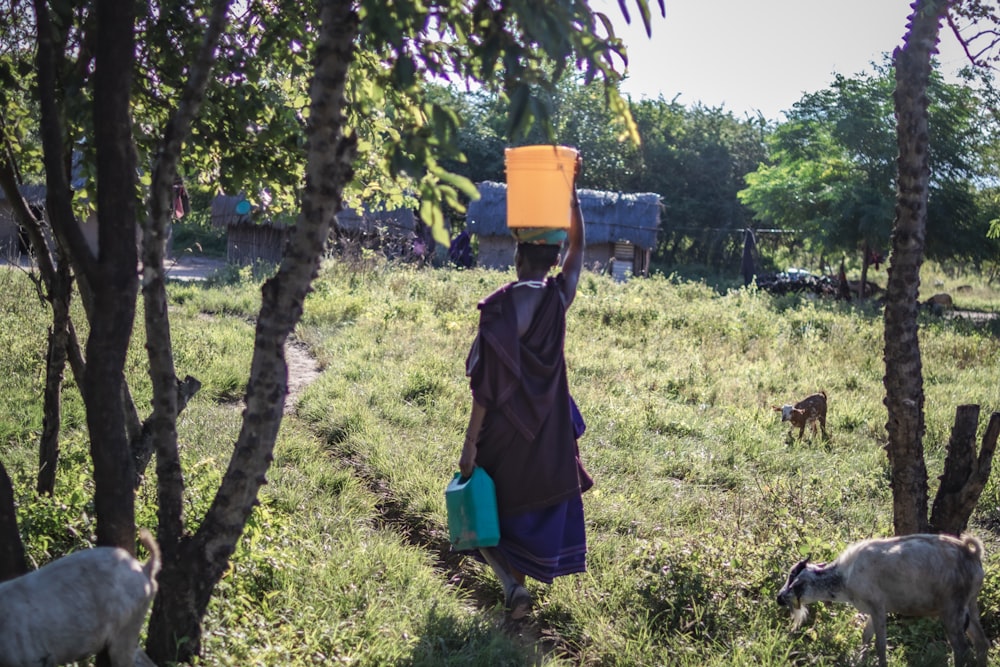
x=534, y=258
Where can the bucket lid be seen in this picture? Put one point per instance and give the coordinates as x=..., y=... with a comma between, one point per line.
x=543, y=151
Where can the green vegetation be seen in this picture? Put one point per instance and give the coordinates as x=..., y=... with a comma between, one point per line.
x=702, y=501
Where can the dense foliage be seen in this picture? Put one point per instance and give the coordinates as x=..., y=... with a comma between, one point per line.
x=831, y=172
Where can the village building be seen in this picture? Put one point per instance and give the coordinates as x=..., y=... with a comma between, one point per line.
x=251, y=237
x=621, y=229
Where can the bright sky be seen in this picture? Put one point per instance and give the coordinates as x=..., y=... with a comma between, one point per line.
x=761, y=55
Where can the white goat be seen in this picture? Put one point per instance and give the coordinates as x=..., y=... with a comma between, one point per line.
x=78, y=605
x=913, y=575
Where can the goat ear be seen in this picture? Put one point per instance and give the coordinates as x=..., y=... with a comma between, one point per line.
x=775, y=407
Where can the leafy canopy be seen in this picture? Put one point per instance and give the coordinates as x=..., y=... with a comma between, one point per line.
x=831, y=173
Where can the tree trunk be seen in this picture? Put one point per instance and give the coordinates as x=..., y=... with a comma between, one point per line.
x=49, y=60
x=843, y=288
x=965, y=474
x=903, y=380
x=863, y=289
x=169, y=395
x=12, y=560
x=187, y=581
x=55, y=366
x=113, y=279
x=56, y=288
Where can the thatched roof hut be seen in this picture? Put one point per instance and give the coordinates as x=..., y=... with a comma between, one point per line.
x=249, y=238
x=11, y=243
x=33, y=194
x=393, y=233
x=224, y=210
x=401, y=221
x=621, y=228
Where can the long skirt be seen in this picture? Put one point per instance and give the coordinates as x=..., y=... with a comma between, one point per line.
x=546, y=543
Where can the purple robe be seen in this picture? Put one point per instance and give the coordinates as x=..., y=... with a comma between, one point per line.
x=528, y=441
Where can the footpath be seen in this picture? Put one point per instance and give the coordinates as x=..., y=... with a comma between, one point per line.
x=186, y=267
x=192, y=267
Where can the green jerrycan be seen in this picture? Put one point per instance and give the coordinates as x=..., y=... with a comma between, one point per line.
x=472, y=511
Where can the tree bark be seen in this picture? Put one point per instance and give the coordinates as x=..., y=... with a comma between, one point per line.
x=169, y=395
x=175, y=626
x=49, y=60
x=55, y=366
x=965, y=474
x=12, y=560
x=863, y=289
x=113, y=278
x=904, y=399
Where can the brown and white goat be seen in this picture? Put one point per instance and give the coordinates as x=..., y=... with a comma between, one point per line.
x=77, y=606
x=913, y=575
x=811, y=409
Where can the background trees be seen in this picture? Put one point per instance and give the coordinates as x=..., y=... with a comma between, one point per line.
x=697, y=159
x=832, y=169
x=826, y=175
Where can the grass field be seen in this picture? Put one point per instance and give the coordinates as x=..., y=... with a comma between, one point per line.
x=703, y=500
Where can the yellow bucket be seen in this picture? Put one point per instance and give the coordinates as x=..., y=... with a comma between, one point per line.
x=539, y=186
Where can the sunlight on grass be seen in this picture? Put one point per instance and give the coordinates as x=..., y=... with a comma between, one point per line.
x=703, y=498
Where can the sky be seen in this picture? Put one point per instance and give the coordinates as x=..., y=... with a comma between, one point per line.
x=752, y=56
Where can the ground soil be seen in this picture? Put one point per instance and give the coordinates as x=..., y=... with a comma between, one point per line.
x=302, y=370
x=302, y=366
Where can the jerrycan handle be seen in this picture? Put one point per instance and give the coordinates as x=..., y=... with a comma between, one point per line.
x=459, y=481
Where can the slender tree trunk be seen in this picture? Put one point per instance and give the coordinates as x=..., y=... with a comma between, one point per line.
x=71, y=246
x=190, y=577
x=56, y=287
x=863, y=289
x=169, y=396
x=903, y=380
x=55, y=366
x=12, y=560
x=114, y=279
x=49, y=60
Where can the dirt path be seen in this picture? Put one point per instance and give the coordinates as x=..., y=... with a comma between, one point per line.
x=302, y=370
x=394, y=515
x=302, y=366
x=192, y=267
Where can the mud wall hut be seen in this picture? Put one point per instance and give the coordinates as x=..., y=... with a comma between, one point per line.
x=394, y=233
x=621, y=229
x=249, y=238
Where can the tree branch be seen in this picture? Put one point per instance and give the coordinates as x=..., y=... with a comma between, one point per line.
x=169, y=395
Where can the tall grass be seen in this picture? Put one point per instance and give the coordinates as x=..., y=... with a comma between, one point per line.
x=703, y=500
